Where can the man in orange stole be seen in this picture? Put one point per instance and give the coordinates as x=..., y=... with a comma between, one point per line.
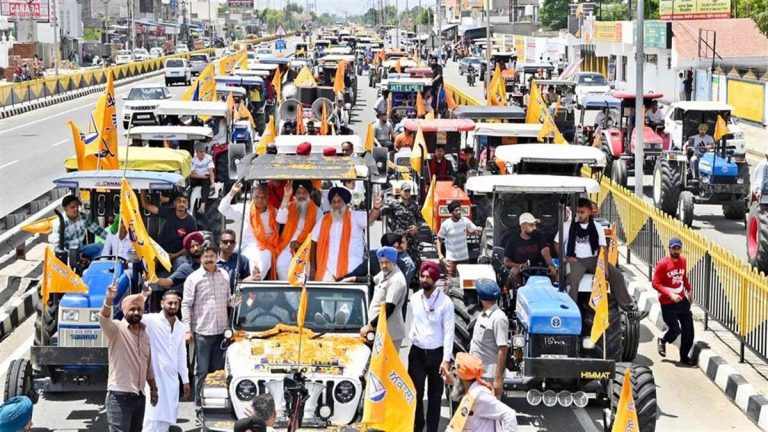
x=338, y=241
x=299, y=216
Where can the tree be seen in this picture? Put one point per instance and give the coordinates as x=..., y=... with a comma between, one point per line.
x=755, y=9
x=554, y=13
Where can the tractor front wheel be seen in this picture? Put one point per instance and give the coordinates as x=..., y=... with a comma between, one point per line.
x=666, y=186
x=685, y=208
x=643, y=393
x=630, y=337
x=619, y=172
x=18, y=380
x=734, y=210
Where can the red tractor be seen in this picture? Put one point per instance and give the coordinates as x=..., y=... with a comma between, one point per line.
x=618, y=139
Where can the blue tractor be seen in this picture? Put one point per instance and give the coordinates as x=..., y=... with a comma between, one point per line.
x=722, y=176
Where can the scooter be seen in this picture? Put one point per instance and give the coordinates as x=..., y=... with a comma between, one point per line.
x=471, y=76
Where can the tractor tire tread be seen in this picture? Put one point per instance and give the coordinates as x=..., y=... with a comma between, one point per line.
x=643, y=392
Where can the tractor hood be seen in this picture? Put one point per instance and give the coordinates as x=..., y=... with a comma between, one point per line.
x=714, y=165
x=545, y=310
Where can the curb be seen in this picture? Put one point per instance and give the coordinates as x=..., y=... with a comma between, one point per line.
x=19, y=308
x=53, y=100
x=716, y=368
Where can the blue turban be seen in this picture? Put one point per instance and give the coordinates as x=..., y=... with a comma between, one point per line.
x=15, y=414
x=387, y=252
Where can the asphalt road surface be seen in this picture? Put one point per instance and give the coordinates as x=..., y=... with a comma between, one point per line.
x=687, y=400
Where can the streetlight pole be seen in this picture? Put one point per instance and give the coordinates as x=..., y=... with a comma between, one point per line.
x=639, y=110
x=133, y=26
x=418, y=28
x=56, y=47
x=487, y=42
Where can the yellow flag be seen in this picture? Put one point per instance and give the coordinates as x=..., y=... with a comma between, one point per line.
x=298, y=272
x=244, y=60
x=338, y=81
x=721, y=128
x=305, y=78
x=104, y=146
x=300, y=128
x=535, y=102
x=42, y=226
x=427, y=211
x=268, y=137
x=613, y=249
x=599, y=299
x=369, y=138
x=389, y=106
x=205, y=83
x=243, y=112
x=324, y=121
x=390, y=397
x=277, y=82
x=421, y=111
x=493, y=96
x=538, y=112
x=59, y=278
x=84, y=162
x=145, y=247
x=626, y=415
x=419, y=149
x=231, y=103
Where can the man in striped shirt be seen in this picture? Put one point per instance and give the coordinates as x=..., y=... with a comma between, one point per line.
x=76, y=223
x=204, y=311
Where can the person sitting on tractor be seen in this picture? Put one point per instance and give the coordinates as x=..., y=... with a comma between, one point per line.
x=698, y=145
x=654, y=117
x=404, y=140
x=178, y=224
x=71, y=235
x=440, y=166
x=467, y=163
x=193, y=247
x=383, y=134
x=381, y=103
x=526, y=250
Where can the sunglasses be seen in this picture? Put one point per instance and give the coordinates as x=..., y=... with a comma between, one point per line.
x=227, y=242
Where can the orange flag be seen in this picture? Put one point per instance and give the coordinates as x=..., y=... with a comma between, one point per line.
x=389, y=106
x=298, y=272
x=59, y=278
x=300, y=128
x=324, y=121
x=421, y=110
x=449, y=99
x=84, y=162
x=231, y=104
x=338, y=81
x=369, y=138
x=398, y=68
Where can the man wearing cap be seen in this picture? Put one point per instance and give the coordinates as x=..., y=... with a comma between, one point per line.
x=453, y=232
x=431, y=335
x=528, y=249
x=204, y=313
x=298, y=217
x=699, y=144
x=489, y=337
x=479, y=410
x=389, y=288
x=338, y=240
x=130, y=363
x=670, y=279
x=193, y=245
x=440, y=166
x=177, y=224
x=71, y=235
x=261, y=237
x=406, y=214
x=202, y=174
x=16, y=414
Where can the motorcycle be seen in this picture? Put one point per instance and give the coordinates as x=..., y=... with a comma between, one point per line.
x=471, y=76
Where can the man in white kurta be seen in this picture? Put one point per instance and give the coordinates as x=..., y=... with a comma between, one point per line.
x=169, y=360
x=259, y=256
x=301, y=208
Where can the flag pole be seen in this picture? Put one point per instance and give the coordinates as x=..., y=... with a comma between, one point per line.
x=125, y=169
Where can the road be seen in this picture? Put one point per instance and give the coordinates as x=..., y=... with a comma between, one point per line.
x=687, y=400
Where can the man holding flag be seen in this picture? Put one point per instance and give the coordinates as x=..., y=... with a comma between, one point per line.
x=391, y=290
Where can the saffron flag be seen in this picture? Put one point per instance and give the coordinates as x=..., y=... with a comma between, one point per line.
x=421, y=111
x=398, y=68
x=324, y=121
x=268, y=137
x=242, y=112
x=427, y=211
x=305, y=78
x=721, y=128
x=626, y=414
x=389, y=106
x=277, y=83
x=84, y=162
x=298, y=272
x=145, y=247
x=42, y=226
x=369, y=138
x=59, y=278
x=599, y=299
x=390, y=396
x=104, y=147
x=244, y=60
x=338, y=80
x=538, y=112
x=449, y=100
x=231, y=104
x=300, y=128
x=419, y=148
x=613, y=248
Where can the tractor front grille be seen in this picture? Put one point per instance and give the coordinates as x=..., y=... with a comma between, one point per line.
x=554, y=345
x=80, y=337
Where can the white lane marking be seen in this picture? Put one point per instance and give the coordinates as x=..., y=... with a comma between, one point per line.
x=60, y=142
x=584, y=419
x=20, y=351
x=9, y=164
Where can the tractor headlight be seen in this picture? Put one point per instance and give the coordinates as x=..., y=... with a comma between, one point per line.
x=344, y=392
x=549, y=398
x=739, y=180
x=70, y=315
x=245, y=390
x=587, y=343
x=95, y=315
x=565, y=398
x=518, y=341
x=533, y=397
x=325, y=412
x=580, y=399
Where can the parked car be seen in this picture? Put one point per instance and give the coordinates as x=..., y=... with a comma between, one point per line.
x=198, y=62
x=141, y=102
x=177, y=71
x=156, y=52
x=466, y=61
x=590, y=83
x=123, y=57
x=140, y=54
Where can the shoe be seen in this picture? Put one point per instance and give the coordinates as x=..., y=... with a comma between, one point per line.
x=688, y=362
x=661, y=346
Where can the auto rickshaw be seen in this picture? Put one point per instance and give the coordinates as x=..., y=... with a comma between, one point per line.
x=301, y=50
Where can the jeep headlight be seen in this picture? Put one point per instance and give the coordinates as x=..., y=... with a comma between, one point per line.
x=127, y=108
x=344, y=392
x=245, y=390
x=70, y=315
x=95, y=315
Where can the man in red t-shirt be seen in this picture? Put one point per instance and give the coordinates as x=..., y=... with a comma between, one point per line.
x=670, y=279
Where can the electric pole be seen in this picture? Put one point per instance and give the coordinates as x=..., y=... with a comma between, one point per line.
x=639, y=110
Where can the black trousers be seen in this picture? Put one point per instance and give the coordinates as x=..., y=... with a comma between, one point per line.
x=424, y=365
x=678, y=318
x=205, y=187
x=125, y=411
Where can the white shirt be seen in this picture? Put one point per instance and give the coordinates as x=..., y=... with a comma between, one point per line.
x=488, y=413
x=356, y=243
x=113, y=246
x=236, y=213
x=390, y=289
x=582, y=249
x=169, y=361
x=282, y=218
x=455, y=236
x=655, y=117
x=432, y=323
x=202, y=167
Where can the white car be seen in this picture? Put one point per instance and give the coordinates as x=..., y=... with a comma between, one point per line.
x=141, y=102
x=682, y=120
x=263, y=349
x=262, y=53
x=140, y=54
x=123, y=57
x=177, y=71
x=181, y=48
x=590, y=83
x=156, y=52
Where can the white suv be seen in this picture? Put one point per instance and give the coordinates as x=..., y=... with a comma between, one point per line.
x=156, y=52
x=140, y=54
x=141, y=102
x=177, y=71
x=123, y=57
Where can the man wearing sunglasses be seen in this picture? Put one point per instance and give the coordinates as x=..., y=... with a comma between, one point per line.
x=670, y=279
x=229, y=259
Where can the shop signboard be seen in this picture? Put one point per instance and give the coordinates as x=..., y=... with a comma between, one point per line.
x=606, y=31
x=657, y=34
x=694, y=9
x=25, y=10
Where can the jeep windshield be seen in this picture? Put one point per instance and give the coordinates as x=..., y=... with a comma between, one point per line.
x=329, y=310
x=591, y=80
x=146, y=94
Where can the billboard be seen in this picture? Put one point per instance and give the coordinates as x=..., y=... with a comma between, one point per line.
x=606, y=31
x=240, y=4
x=694, y=9
x=23, y=10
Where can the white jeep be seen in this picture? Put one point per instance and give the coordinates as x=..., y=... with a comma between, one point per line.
x=263, y=356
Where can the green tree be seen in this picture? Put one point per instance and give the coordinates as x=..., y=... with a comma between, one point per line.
x=554, y=13
x=755, y=9
x=370, y=17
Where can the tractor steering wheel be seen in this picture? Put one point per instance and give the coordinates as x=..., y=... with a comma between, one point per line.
x=112, y=258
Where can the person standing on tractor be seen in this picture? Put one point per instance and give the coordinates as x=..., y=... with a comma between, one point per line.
x=440, y=166
x=528, y=249
x=71, y=235
x=583, y=238
x=390, y=289
x=453, y=233
x=381, y=103
x=670, y=279
x=479, y=410
x=202, y=174
x=489, y=337
x=698, y=145
x=177, y=224
x=406, y=214
x=298, y=217
x=437, y=81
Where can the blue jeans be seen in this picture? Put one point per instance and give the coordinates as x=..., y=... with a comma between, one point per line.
x=210, y=357
x=91, y=251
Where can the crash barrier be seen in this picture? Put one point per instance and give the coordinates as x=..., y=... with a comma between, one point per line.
x=729, y=290
x=460, y=97
x=31, y=91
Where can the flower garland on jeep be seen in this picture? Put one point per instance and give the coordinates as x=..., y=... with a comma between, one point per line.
x=282, y=347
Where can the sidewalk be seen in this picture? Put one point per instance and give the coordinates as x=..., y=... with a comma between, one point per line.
x=756, y=138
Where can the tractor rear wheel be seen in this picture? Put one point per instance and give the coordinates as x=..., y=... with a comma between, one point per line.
x=643, y=393
x=619, y=172
x=757, y=239
x=734, y=210
x=18, y=380
x=613, y=334
x=630, y=337
x=685, y=208
x=606, y=148
x=666, y=186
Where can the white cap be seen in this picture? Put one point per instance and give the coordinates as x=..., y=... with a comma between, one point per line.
x=528, y=218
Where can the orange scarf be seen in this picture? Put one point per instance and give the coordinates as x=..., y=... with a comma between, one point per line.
x=293, y=222
x=324, y=244
x=262, y=241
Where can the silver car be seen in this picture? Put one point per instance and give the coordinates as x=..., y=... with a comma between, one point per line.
x=466, y=61
x=198, y=62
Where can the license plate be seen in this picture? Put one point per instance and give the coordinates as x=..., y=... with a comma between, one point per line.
x=554, y=356
x=143, y=116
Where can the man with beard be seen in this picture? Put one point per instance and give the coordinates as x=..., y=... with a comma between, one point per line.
x=130, y=365
x=260, y=234
x=527, y=249
x=178, y=223
x=338, y=240
x=204, y=312
x=193, y=246
x=453, y=233
x=440, y=166
x=390, y=288
x=298, y=217
x=169, y=361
